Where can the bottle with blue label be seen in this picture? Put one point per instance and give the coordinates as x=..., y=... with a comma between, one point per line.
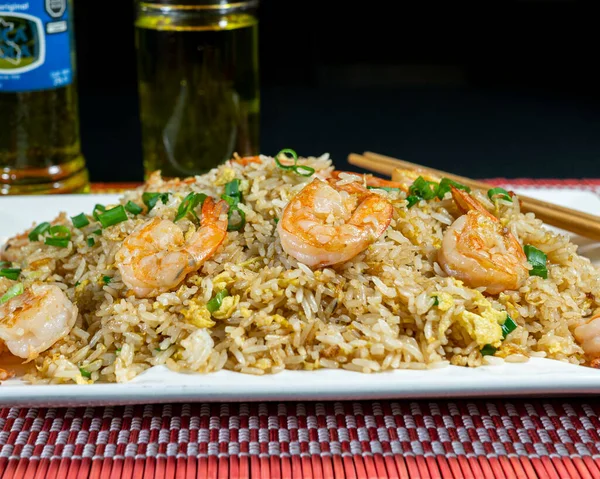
x=39, y=118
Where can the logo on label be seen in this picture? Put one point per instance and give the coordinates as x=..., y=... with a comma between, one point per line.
x=56, y=8
x=22, y=43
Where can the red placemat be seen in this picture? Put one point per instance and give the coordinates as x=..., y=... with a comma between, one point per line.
x=557, y=439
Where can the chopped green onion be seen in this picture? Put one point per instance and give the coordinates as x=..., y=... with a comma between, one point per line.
x=113, y=216
x=5, y=264
x=150, y=199
x=499, y=193
x=38, y=230
x=118, y=350
x=78, y=283
x=13, y=291
x=301, y=170
x=509, y=326
x=446, y=183
x=232, y=225
x=276, y=220
x=421, y=187
x=106, y=279
x=80, y=220
x=413, y=200
x=233, y=188
x=157, y=349
x=10, y=273
x=97, y=232
x=91, y=242
x=59, y=236
x=436, y=301
x=385, y=188
x=215, y=303
x=488, y=350
x=85, y=373
x=189, y=204
x=97, y=210
x=133, y=208
x=538, y=260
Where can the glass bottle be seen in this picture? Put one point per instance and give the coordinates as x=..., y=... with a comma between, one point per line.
x=198, y=83
x=39, y=119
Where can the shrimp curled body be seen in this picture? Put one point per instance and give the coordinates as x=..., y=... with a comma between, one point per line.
x=33, y=321
x=588, y=336
x=155, y=258
x=478, y=250
x=326, y=224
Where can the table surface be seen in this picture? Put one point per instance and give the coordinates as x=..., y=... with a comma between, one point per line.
x=525, y=437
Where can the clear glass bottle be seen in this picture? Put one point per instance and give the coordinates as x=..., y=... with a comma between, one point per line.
x=39, y=118
x=198, y=83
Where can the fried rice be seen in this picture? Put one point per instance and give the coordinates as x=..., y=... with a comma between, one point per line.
x=390, y=307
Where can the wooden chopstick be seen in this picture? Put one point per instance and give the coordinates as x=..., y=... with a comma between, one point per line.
x=568, y=219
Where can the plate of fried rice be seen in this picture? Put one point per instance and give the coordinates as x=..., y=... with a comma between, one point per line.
x=279, y=278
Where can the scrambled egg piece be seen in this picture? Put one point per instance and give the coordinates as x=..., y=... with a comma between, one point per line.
x=80, y=288
x=484, y=327
x=197, y=314
x=222, y=281
x=268, y=320
x=445, y=300
x=225, y=176
x=227, y=307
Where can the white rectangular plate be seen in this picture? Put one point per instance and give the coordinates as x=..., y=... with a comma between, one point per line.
x=536, y=377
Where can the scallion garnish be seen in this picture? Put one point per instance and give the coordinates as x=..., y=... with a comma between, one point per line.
x=423, y=188
x=436, y=301
x=98, y=209
x=97, y=232
x=488, y=350
x=113, y=216
x=59, y=236
x=499, y=193
x=106, y=279
x=80, y=220
x=132, y=208
x=40, y=229
x=233, y=197
x=150, y=199
x=509, y=326
x=10, y=273
x=215, y=303
x=91, y=242
x=384, y=188
x=5, y=264
x=276, y=220
x=189, y=204
x=413, y=200
x=85, y=373
x=13, y=291
x=301, y=170
x=444, y=187
x=538, y=260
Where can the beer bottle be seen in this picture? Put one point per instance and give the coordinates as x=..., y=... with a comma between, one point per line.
x=39, y=119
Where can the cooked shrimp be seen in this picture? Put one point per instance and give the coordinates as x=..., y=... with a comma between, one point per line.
x=325, y=224
x=478, y=250
x=155, y=258
x=33, y=321
x=588, y=336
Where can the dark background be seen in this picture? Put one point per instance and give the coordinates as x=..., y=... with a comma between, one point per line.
x=506, y=89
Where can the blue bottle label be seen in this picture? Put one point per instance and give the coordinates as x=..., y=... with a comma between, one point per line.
x=35, y=48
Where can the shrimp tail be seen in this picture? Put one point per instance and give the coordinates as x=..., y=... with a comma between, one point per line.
x=212, y=231
x=466, y=203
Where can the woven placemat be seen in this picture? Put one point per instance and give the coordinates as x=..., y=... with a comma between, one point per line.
x=557, y=439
